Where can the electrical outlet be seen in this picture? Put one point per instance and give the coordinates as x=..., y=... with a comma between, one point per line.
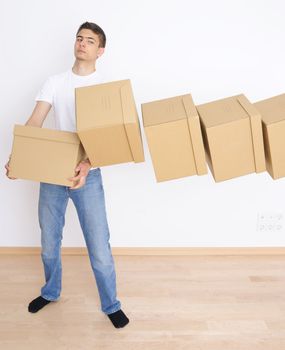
x=270, y=222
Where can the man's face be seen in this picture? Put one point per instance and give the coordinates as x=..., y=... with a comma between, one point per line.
x=86, y=47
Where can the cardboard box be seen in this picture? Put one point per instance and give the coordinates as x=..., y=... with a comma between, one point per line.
x=174, y=138
x=232, y=134
x=272, y=112
x=45, y=155
x=108, y=124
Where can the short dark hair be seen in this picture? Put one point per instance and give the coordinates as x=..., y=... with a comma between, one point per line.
x=96, y=30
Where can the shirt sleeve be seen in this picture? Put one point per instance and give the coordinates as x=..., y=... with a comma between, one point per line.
x=46, y=93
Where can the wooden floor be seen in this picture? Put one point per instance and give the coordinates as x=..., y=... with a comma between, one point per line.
x=175, y=302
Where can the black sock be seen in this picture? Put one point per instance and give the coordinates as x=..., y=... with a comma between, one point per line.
x=118, y=318
x=37, y=304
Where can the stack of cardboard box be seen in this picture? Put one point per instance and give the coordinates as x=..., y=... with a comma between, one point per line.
x=231, y=131
x=232, y=135
x=107, y=126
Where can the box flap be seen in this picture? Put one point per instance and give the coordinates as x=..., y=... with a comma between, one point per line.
x=195, y=134
x=256, y=132
x=221, y=111
x=272, y=110
x=99, y=105
x=190, y=109
x=131, y=122
x=129, y=110
x=46, y=134
x=163, y=111
x=248, y=107
x=135, y=141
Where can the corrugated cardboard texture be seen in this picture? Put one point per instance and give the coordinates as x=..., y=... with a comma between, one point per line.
x=174, y=137
x=108, y=124
x=232, y=134
x=45, y=155
x=272, y=112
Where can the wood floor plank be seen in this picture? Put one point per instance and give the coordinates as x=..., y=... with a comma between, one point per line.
x=173, y=302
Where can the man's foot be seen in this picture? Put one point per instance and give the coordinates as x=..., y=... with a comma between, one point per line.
x=119, y=319
x=37, y=304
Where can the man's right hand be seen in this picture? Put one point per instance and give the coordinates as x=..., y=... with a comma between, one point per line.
x=8, y=169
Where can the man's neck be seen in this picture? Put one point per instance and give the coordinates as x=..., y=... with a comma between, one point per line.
x=83, y=68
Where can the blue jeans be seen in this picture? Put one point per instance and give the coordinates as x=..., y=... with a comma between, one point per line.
x=89, y=202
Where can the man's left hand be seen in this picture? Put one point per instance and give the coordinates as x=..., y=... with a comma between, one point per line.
x=80, y=179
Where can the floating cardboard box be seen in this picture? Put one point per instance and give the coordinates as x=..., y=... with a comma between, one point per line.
x=272, y=112
x=232, y=134
x=174, y=138
x=108, y=124
x=45, y=155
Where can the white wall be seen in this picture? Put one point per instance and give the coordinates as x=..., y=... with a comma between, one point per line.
x=212, y=49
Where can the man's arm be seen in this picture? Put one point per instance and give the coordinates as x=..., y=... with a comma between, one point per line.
x=37, y=119
x=39, y=114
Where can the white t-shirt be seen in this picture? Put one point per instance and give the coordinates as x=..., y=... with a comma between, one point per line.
x=59, y=91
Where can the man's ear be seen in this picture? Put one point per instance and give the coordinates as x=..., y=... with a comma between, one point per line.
x=100, y=51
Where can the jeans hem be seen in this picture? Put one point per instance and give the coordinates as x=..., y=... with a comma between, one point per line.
x=115, y=309
x=50, y=298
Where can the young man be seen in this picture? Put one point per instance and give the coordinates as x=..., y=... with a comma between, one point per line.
x=86, y=189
